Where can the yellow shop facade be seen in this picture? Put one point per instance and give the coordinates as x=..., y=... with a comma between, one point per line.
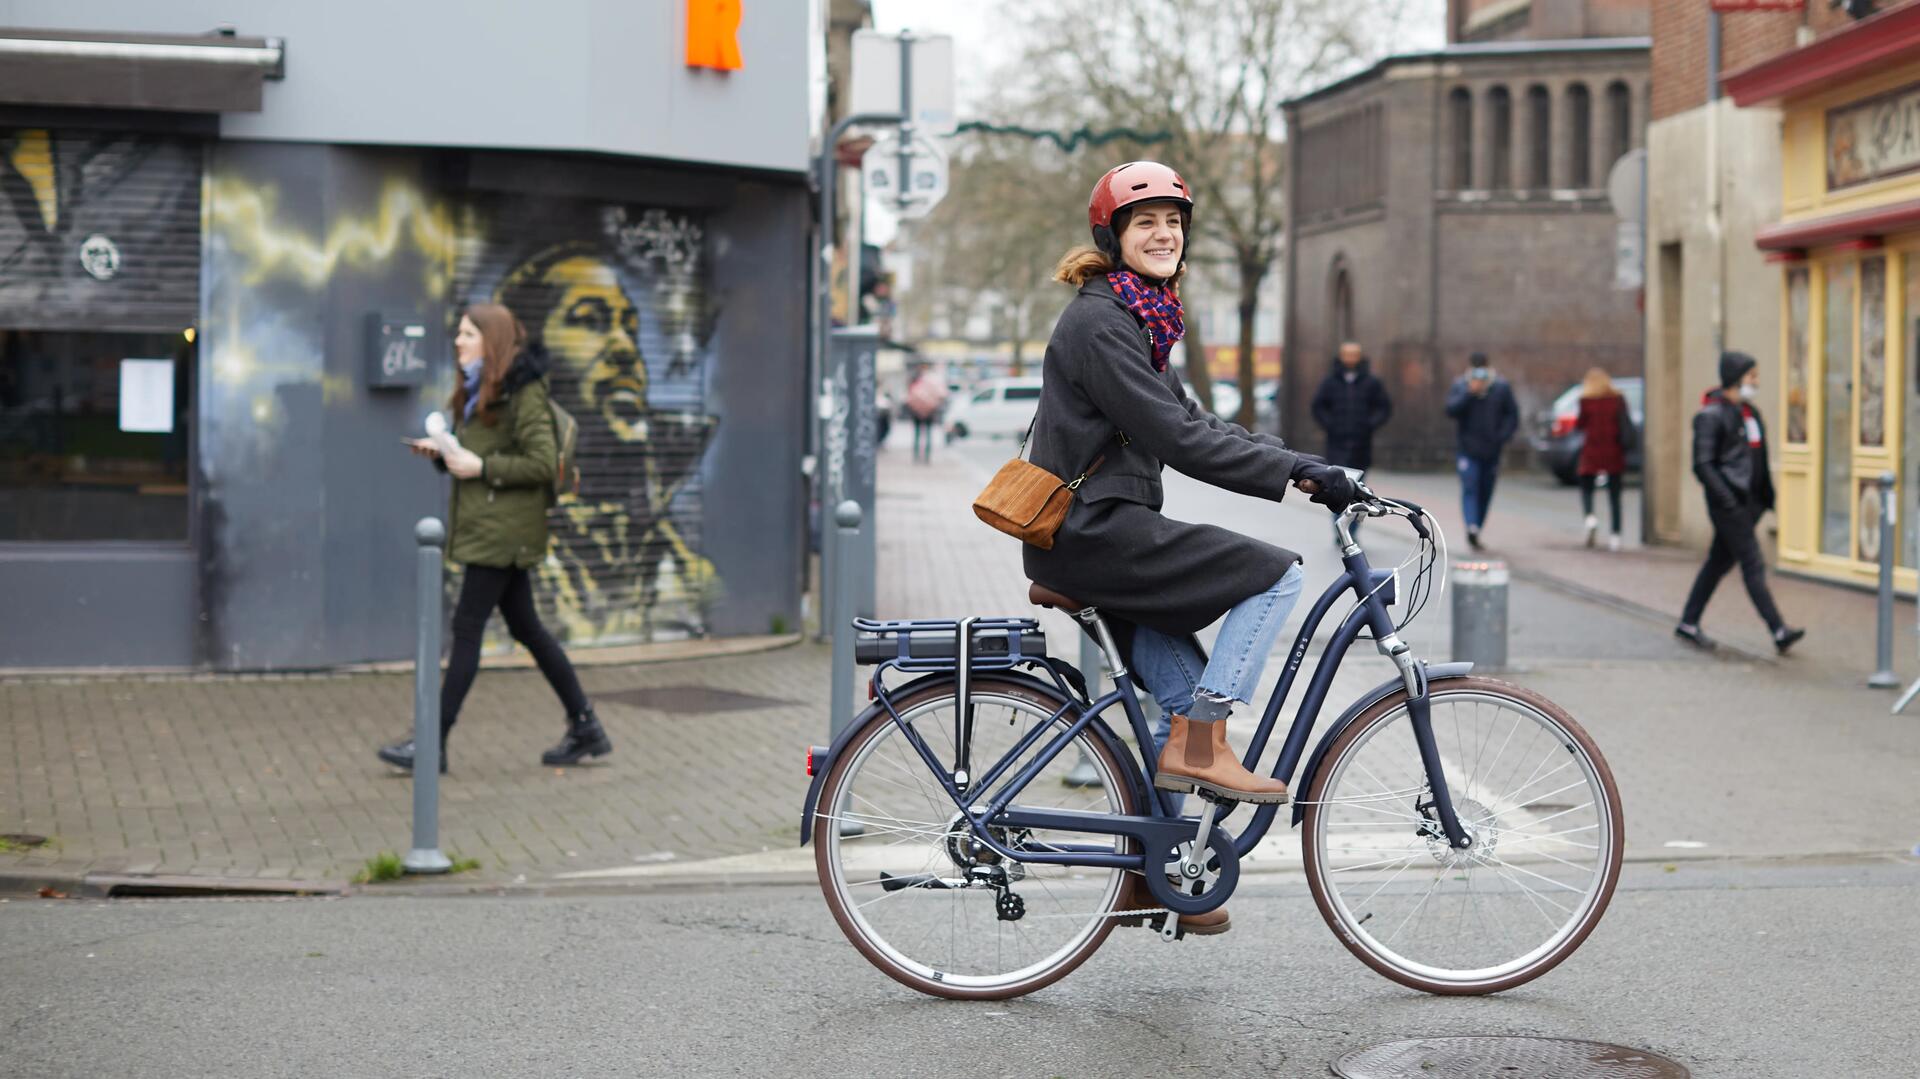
x=1846, y=409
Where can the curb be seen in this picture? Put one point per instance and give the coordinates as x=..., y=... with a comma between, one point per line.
x=17, y=884
x=74, y=885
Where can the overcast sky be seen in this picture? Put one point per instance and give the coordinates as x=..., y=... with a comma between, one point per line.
x=980, y=40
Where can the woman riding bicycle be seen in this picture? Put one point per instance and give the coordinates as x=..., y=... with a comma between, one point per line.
x=1110, y=397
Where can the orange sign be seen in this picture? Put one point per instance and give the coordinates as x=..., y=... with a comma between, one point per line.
x=713, y=34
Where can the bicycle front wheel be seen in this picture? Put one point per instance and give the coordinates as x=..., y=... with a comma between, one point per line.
x=917, y=894
x=1534, y=794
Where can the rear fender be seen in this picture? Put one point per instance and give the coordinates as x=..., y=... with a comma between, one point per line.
x=1436, y=672
x=822, y=764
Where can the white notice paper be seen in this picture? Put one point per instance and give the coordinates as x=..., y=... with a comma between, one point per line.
x=146, y=396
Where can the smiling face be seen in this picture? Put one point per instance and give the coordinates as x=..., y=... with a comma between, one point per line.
x=1152, y=241
x=594, y=327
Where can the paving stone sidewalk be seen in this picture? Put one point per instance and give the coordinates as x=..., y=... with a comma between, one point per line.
x=274, y=778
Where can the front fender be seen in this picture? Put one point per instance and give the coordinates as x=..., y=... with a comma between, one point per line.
x=1436, y=672
x=823, y=765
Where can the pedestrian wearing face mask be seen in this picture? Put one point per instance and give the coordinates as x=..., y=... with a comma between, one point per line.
x=501, y=455
x=1730, y=458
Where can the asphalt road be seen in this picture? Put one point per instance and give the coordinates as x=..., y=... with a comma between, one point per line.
x=1748, y=970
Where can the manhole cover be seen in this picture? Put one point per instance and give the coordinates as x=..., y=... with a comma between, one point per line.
x=691, y=700
x=1491, y=1056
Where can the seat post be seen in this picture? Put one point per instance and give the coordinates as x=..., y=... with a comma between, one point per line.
x=1090, y=617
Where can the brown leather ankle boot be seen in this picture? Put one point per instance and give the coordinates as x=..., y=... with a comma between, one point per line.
x=1134, y=896
x=1197, y=757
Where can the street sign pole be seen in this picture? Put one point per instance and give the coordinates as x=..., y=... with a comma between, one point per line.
x=905, y=161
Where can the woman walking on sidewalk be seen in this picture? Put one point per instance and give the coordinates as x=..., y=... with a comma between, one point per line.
x=1603, y=456
x=502, y=458
x=1113, y=411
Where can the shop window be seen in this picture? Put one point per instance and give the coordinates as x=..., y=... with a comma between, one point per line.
x=94, y=436
x=1619, y=123
x=1460, y=105
x=1500, y=118
x=1797, y=310
x=1836, y=448
x=1580, y=136
x=1540, y=147
x=1873, y=352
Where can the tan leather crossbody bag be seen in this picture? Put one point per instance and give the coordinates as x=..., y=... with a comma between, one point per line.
x=1026, y=501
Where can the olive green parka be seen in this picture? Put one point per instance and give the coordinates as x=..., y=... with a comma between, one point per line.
x=500, y=517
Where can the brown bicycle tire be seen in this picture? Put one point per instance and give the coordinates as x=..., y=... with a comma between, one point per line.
x=822, y=834
x=1379, y=713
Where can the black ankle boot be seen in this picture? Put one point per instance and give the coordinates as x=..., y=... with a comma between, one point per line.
x=584, y=738
x=400, y=755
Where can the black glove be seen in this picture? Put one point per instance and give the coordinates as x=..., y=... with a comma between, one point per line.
x=1337, y=489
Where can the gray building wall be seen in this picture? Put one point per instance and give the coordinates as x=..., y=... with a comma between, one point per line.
x=602, y=75
x=306, y=498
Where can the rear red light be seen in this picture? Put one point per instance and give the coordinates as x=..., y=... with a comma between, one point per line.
x=1563, y=425
x=816, y=758
x=809, y=760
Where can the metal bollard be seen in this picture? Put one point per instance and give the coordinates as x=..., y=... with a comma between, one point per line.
x=846, y=540
x=425, y=857
x=1084, y=774
x=1883, y=676
x=1480, y=613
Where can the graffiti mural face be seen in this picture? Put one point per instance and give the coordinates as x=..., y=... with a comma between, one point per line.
x=594, y=328
x=622, y=565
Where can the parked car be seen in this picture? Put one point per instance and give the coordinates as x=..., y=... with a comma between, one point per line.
x=1558, y=444
x=997, y=408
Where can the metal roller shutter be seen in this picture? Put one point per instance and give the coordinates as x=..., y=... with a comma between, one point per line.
x=99, y=231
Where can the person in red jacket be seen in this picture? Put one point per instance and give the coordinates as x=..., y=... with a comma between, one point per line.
x=1608, y=425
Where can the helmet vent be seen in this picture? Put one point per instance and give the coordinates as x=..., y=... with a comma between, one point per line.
x=1140, y=187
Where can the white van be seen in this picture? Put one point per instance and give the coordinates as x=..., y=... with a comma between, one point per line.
x=997, y=408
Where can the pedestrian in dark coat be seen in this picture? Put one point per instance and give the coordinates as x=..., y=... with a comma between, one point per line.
x=1109, y=395
x=1350, y=405
x=500, y=450
x=1730, y=459
x=1485, y=417
x=1608, y=427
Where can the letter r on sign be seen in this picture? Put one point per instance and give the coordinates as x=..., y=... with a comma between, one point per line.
x=713, y=34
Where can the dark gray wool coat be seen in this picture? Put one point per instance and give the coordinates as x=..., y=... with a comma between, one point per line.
x=1116, y=551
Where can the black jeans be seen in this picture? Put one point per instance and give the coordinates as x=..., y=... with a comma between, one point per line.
x=1733, y=544
x=511, y=590
x=1615, y=481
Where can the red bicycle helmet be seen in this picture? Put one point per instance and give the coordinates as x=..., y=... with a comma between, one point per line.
x=1129, y=185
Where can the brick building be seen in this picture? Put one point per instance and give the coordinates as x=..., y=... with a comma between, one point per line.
x=1784, y=221
x=1431, y=192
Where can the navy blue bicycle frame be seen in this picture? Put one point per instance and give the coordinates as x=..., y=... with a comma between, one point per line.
x=1373, y=588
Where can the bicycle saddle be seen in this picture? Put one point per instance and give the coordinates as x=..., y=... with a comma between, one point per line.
x=1042, y=596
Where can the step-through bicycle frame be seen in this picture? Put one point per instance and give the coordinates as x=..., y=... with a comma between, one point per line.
x=1373, y=590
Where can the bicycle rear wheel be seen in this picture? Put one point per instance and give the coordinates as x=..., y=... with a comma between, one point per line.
x=902, y=873
x=1531, y=789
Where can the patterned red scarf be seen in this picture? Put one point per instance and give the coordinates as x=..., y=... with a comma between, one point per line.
x=1154, y=305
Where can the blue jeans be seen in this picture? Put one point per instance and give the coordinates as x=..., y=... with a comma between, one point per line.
x=1477, y=475
x=1175, y=672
